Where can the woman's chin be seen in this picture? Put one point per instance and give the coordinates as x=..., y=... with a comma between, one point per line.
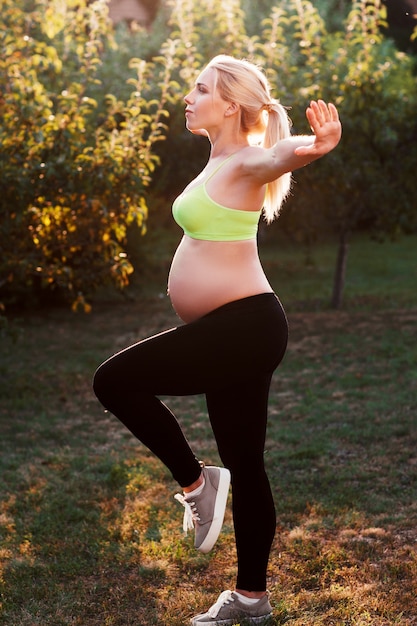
x=197, y=131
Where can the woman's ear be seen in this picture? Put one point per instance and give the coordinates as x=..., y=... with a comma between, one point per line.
x=232, y=109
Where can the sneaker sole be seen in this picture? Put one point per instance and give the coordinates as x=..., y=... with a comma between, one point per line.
x=264, y=620
x=219, y=511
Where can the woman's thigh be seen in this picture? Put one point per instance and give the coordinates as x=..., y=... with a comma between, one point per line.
x=222, y=348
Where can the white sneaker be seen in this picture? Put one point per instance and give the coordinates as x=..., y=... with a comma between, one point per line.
x=230, y=610
x=205, y=512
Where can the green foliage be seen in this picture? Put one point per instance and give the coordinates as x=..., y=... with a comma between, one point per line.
x=84, y=107
x=361, y=184
x=74, y=168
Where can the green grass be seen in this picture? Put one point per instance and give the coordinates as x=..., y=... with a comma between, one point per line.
x=90, y=534
x=377, y=274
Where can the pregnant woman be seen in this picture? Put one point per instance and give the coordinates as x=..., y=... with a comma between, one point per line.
x=235, y=331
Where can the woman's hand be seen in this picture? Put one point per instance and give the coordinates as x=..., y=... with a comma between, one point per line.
x=326, y=126
x=292, y=153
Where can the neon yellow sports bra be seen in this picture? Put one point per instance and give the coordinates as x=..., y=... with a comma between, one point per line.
x=202, y=218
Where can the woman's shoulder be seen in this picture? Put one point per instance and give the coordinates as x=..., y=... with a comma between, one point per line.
x=252, y=160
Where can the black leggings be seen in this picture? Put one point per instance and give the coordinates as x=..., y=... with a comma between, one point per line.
x=229, y=355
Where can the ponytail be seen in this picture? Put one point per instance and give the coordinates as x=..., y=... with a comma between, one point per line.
x=243, y=82
x=278, y=127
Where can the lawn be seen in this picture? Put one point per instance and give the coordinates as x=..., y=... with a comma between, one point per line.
x=90, y=534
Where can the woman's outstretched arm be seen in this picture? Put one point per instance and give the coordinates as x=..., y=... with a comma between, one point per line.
x=300, y=150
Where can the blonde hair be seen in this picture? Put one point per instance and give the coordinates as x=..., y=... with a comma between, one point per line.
x=243, y=82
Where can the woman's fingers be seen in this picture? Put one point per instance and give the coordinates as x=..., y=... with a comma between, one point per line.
x=319, y=114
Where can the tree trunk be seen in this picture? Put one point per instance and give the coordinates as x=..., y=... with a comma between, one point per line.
x=340, y=271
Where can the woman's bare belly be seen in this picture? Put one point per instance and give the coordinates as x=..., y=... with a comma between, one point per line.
x=207, y=274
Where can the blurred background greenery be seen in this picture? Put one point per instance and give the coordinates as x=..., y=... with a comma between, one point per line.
x=94, y=148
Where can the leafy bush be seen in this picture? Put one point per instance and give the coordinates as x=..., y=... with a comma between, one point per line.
x=83, y=108
x=74, y=169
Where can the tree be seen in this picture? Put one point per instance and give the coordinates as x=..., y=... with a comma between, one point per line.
x=74, y=170
x=367, y=181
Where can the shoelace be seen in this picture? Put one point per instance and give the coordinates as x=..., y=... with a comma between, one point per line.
x=190, y=513
x=224, y=598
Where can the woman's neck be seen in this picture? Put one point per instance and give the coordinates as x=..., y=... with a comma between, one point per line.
x=226, y=149
x=227, y=142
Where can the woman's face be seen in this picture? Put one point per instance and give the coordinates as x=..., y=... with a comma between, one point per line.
x=205, y=107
